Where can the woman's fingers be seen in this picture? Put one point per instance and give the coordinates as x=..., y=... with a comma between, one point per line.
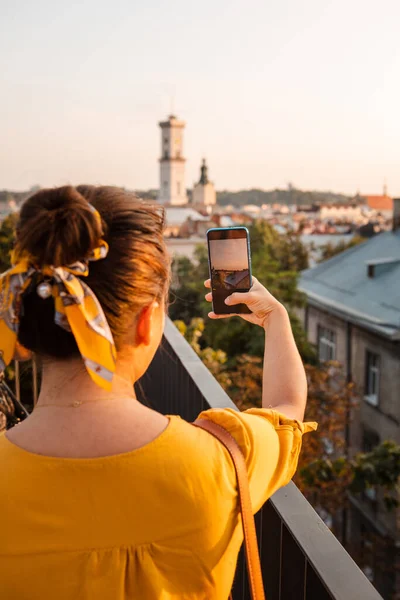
x=258, y=299
x=238, y=298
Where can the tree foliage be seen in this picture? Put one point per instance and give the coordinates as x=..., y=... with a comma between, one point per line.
x=7, y=228
x=329, y=250
x=278, y=196
x=215, y=360
x=187, y=291
x=329, y=479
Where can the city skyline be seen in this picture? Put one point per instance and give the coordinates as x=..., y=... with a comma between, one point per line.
x=305, y=93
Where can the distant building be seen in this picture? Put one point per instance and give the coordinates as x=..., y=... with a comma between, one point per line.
x=382, y=204
x=240, y=218
x=251, y=209
x=307, y=208
x=341, y=212
x=204, y=193
x=172, y=163
x=183, y=222
x=353, y=316
x=220, y=220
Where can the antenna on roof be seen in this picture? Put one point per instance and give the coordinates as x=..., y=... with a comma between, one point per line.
x=172, y=101
x=385, y=187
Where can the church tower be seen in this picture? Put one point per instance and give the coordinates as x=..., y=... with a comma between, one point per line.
x=204, y=191
x=172, y=164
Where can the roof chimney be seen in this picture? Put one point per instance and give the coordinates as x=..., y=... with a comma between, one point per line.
x=396, y=214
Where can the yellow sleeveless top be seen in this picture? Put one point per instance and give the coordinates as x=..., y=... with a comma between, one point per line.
x=158, y=523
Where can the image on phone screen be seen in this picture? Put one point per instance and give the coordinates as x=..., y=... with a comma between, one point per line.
x=229, y=267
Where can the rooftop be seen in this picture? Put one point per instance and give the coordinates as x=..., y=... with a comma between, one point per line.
x=178, y=215
x=379, y=202
x=361, y=284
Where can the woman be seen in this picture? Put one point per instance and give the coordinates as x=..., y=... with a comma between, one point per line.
x=105, y=498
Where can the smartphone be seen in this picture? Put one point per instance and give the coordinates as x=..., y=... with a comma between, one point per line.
x=230, y=267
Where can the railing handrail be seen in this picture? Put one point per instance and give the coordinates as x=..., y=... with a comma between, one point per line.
x=323, y=550
x=335, y=568
x=196, y=369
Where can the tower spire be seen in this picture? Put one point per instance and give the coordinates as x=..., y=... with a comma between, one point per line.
x=204, y=173
x=204, y=194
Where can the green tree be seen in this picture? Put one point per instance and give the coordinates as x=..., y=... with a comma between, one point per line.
x=215, y=360
x=186, y=299
x=291, y=195
x=329, y=250
x=7, y=229
x=379, y=468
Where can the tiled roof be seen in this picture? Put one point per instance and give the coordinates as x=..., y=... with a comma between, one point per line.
x=341, y=284
x=379, y=202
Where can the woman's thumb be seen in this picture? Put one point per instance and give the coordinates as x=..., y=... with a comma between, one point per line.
x=237, y=298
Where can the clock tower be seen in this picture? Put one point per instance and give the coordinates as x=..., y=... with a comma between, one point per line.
x=172, y=164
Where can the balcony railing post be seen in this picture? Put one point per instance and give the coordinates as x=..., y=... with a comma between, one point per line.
x=34, y=380
x=17, y=380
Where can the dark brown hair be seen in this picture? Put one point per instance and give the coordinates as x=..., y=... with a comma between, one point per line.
x=57, y=227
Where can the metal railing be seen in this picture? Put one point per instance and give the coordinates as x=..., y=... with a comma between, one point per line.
x=301, y=559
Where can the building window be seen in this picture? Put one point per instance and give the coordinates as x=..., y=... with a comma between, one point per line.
x=370, y=439
x=165, y=185
x=372, y=368
x=178, y=188
x=326, y=344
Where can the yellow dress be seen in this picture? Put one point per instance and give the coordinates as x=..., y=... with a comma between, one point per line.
x=157, y=523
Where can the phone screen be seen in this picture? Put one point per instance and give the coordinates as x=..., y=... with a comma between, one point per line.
x=230, y=270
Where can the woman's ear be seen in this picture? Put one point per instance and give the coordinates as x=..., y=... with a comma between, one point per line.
x=21, y=354
x=145, y=324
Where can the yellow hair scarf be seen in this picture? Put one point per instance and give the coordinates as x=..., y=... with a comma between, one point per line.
x=76, y=310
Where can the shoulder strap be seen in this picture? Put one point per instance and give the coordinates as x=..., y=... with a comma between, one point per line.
x=249, y=528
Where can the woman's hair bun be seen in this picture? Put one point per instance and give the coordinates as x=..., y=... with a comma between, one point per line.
x=57, y=227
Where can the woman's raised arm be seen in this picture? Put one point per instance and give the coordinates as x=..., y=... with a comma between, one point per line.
x=284, y=378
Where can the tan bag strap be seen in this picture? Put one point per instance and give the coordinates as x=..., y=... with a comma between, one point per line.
x=249, y=528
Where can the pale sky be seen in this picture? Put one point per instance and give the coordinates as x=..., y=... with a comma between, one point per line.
x=273, y=91
x=229, y=254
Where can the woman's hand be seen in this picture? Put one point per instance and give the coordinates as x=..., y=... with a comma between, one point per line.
x=258, y=299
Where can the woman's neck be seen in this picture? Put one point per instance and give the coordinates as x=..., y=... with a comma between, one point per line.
x=103, y=423
x=64, y=382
